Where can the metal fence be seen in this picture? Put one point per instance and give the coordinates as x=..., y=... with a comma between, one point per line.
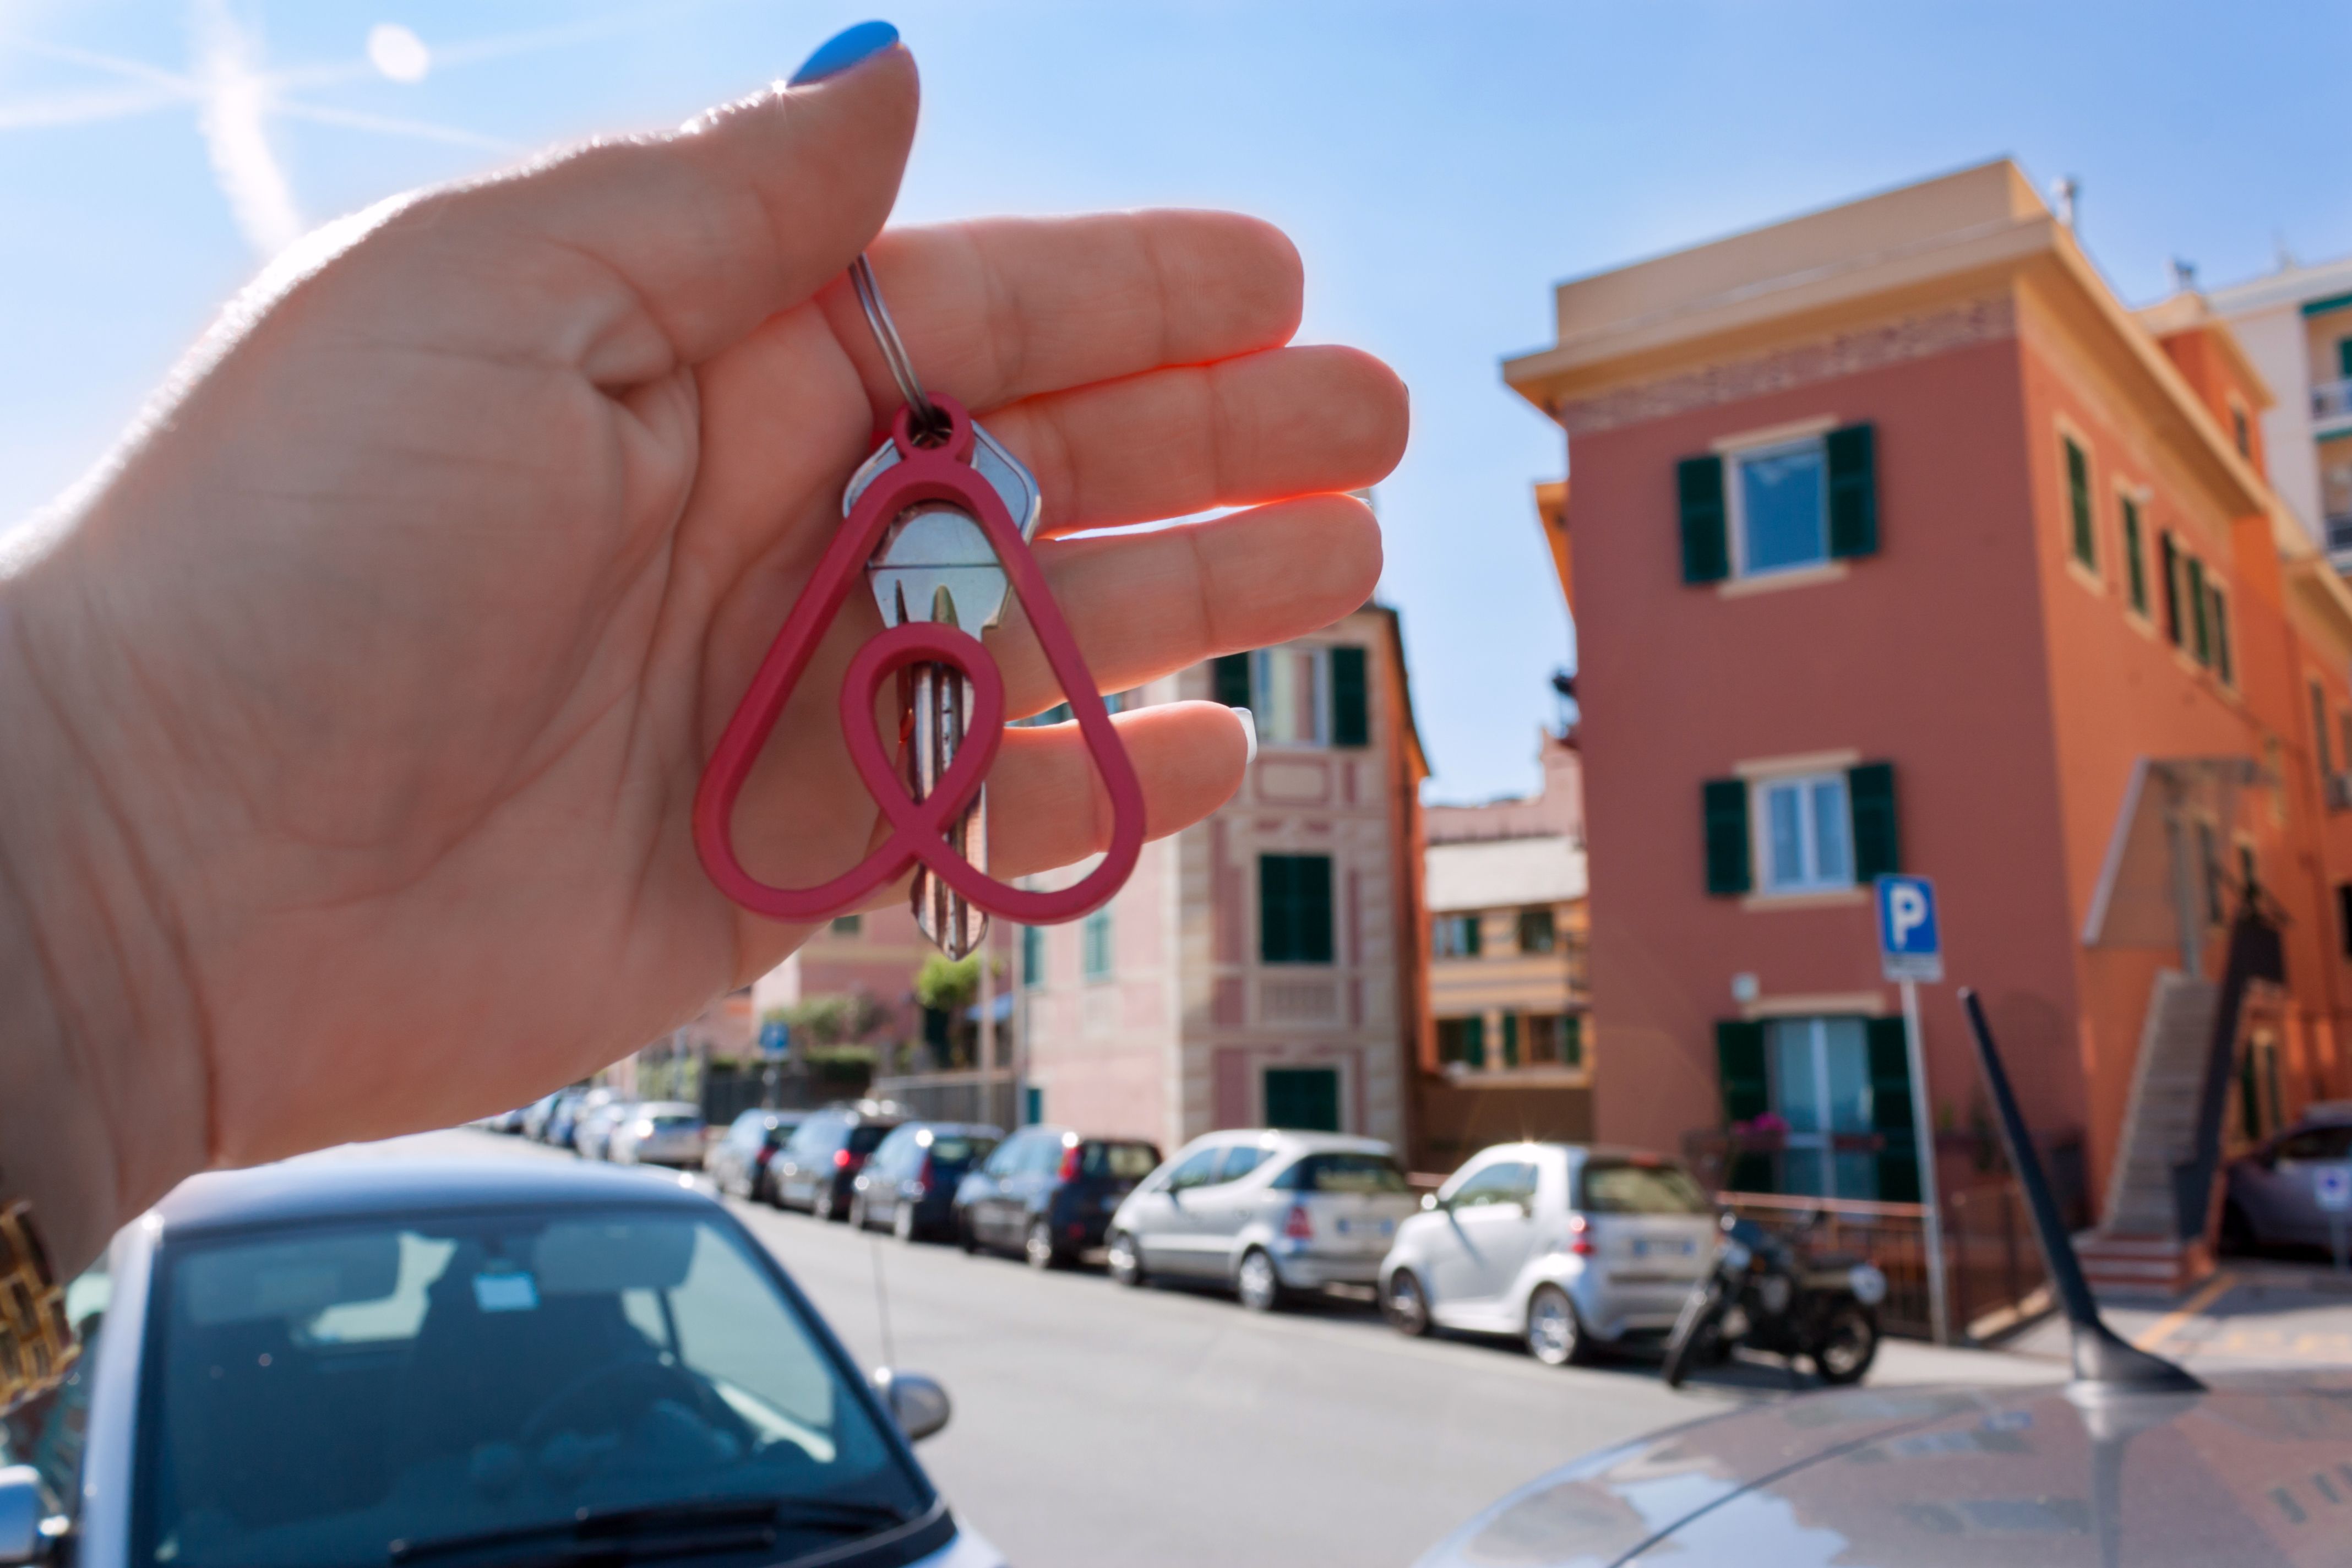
x=971, y=1095
x=1992, y=1267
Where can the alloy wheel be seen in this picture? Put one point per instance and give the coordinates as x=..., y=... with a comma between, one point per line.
x=1038, y=1247
x=1125, y=1259
x=1554, y=1336
x=1256, y=1283
x=1408, y=1308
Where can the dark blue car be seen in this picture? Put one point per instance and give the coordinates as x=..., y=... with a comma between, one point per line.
x=909, y=1182
x=1048, y=1193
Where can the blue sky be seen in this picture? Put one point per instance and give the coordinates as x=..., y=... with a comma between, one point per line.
x=1440, y=166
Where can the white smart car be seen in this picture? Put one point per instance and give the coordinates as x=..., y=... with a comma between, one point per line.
x=1570, y=1247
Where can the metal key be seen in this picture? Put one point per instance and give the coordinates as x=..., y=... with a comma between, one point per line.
x=935, y=565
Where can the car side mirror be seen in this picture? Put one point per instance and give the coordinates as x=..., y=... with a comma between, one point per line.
x=25, y=1535
x=1429, y=1201
x=918, y=1404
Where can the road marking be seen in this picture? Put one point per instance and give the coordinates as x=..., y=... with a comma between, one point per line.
x=2164, y=1328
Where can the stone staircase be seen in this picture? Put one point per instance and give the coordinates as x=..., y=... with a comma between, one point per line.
x=2138, y=1245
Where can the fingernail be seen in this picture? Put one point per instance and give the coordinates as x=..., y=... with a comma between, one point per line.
x=1249, y=734
x=843, y=50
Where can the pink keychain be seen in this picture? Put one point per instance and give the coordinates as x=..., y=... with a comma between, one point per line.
x=930, y=523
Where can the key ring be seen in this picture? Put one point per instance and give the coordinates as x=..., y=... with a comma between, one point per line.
x=894, y=350
x=908, y=472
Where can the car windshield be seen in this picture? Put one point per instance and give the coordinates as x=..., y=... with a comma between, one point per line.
x=1120, y=1161
x=314, y=1394
x=1638, y=1187
x=955, y=1149
x=1343, y=1173
x=866, y=1135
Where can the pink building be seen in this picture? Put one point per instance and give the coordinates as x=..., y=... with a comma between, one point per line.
x=1263, y=967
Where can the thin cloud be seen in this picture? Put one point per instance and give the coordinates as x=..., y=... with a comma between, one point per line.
x=390, y=125
x=234, y=121
x=90, y=108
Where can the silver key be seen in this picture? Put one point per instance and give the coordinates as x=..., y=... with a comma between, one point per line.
x=934, y=563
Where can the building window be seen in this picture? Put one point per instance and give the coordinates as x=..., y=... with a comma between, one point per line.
x=1033, y=955
x=2344, y=915
x=1555, y=1039
x=1461, y=1042
x=1539, y=931
x=1780, y=507
x=1804, y=833
x=1293, y=909
x=2218, y=615
x=847, y=925
x=2240, y=430
x=1300, y=696
x=1454, y=936
x=1303, y=1100
x=1821, y=1087
x=2083, y=534
x=2135, y=558
x=1094, y=943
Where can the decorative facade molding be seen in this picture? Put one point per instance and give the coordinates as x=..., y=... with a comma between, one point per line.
x=1920, y=336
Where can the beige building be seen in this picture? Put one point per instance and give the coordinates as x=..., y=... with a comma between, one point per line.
x=1263, y=967
x=1512, y=1047
x=2296, y=326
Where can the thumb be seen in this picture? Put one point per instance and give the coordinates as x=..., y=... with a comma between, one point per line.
x=748, y=209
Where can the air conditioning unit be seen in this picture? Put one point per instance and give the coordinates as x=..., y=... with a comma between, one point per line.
x=2339, y=792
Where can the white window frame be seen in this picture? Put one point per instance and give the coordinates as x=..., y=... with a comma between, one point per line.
x=1319, y=699
x=1760, y=819
x=1099, y=921
x=1735, y=502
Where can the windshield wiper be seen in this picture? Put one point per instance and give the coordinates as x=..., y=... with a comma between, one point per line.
x=687, y=1528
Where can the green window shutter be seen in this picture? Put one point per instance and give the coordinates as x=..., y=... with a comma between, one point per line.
x=1706, y=547
x=1572, y=1038
x=2344, y=358
x=1510, y=1039
x=1890, y=1111
x=2197, y=611
x=1471, y=932
x=1853, y=491
x=2078, y=506
x=2134, y=566
x=2168, y=560
x=1724, y=803
x=1351, y=722
x=1231, y=672
x=1747, y=1095
x=1877, y=840
x=1293, y=909
x=2221, y=638
x=1474, y=1041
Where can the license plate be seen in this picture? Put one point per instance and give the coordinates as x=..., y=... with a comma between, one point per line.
x=1645, y=1247
x=1367, y=1228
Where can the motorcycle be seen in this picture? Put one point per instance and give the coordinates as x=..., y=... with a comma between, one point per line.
x=1765, y=1294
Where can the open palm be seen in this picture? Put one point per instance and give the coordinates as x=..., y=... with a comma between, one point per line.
x=396, y=642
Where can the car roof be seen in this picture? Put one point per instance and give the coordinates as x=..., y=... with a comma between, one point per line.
x=329, y=1187
x=1948, y=1474
x=670, y=1107
x=1287, y=1141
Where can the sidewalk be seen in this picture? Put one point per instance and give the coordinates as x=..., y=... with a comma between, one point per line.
x=2252, y=1313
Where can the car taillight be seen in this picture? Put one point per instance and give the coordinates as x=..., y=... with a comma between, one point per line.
x=1071, y=1162
x=1580, y=1236
x=1298, y=1225
x=843, y=1160
x=923, y=1177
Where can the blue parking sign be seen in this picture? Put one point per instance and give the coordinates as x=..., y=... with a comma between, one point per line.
x=1909, y=945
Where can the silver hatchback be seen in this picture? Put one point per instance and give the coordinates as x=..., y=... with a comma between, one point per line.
x=1570, y=1247
x=1266, y=1213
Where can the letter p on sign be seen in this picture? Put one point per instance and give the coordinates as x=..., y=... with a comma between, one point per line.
x=1909, y=945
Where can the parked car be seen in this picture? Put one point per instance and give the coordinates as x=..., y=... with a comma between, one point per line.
x=395, y=1361
x=2274, y=1198
x=1572, y=1249
x=540, y=1125
x=591, y=1136
x=909, y=1181
x=814, y=1168
x=662, y=1132
x=1265, y=1213
x=1048, y=1193
x=738, y=1163
x=574, y=1108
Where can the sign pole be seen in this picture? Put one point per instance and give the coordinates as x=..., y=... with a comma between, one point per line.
x=1923, y=1133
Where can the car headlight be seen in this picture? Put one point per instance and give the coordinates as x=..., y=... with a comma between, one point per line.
x=1869, y=1285
x=1736, y=1255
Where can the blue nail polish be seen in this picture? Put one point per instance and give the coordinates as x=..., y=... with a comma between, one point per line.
x=843, y=50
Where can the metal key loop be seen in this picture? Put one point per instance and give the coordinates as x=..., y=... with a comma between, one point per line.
x=868, y=289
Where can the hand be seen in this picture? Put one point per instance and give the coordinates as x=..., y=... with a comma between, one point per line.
x=356, y=716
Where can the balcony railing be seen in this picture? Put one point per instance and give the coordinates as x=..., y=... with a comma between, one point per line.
x=2331, y=400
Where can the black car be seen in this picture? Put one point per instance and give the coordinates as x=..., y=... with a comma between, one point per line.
x=1048, y=1193
x=814, y=1168
x=738, y=1163
x=909, y=1182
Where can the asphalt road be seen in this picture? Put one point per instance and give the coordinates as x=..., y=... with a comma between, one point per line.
x=1097, y=1427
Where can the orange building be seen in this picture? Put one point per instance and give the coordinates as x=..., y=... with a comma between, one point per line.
x=1899, y=545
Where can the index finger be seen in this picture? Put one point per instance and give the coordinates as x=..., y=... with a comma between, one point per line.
x=997, y=309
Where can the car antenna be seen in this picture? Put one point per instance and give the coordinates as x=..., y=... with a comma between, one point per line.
x=2103, y=1364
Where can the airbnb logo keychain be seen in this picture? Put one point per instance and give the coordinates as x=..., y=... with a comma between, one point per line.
x=938, y=522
